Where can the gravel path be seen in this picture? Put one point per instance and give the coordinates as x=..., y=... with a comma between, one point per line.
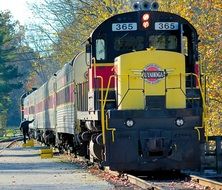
x=23, y=169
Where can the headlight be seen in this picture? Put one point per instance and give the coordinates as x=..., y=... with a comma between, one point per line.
x=179, y=121
x=129, y=123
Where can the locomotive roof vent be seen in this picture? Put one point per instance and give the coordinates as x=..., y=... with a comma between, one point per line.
x=145, y=6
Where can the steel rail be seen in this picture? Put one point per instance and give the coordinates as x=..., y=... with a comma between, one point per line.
x=141, y=183
x=133, y=180
x=14, y=140
x=207, y=182
x=11, y=139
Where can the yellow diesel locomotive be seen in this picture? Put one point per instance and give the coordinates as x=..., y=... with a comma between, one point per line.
x=132, y=101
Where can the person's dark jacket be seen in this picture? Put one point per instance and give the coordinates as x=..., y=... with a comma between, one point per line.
x=24, y=126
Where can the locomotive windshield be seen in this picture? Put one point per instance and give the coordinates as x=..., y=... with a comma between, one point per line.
x=163, y=42
x=136, y=41
x=129, y=43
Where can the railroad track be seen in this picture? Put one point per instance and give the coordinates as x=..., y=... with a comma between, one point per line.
x=189, y=183
x=175, y=182
x=183, y=182
x=8, y=143
x=207, y=182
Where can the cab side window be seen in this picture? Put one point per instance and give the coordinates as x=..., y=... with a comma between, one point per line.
x=100, y=49
x=185, y=45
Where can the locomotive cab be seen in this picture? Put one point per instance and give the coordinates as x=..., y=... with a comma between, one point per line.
x=134, y=32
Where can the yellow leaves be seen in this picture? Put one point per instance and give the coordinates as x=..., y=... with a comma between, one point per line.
x=214, y=101
x=206, y=18
x=108, y=2
x=214, y=122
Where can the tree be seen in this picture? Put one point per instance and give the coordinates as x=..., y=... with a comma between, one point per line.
x=8, y=46
x=68, y=23
x=9, y=43
x=206, y=18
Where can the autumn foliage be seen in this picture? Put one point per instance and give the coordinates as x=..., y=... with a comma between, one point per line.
x=206, y=18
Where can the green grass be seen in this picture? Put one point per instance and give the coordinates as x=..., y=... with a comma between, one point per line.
x=3, y=138
x=10, y=133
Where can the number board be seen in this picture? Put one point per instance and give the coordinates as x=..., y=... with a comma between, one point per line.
x=166, y=25
x=124, y=27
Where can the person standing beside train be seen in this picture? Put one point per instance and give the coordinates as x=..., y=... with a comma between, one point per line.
x=24, y=127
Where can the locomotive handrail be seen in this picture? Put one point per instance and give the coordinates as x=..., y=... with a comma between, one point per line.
x=104, y=104
x=102, y=111
x=104, y=121
x=143, y=89
x=128, y=88
x=107, y=89
x=204, y=107
x=201, y=91
x=186, y=74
